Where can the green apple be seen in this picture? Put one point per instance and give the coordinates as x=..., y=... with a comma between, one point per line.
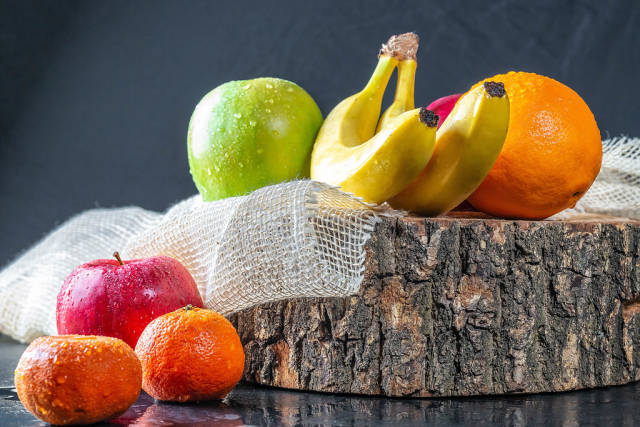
x=247, y=134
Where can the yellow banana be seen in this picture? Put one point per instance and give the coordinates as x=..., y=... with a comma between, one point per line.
x=348, y=154
x=467, y=145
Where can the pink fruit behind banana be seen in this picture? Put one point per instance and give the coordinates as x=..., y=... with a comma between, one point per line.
x=443, y=106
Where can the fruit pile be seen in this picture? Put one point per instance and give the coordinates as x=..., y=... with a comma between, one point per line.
x=516, y=145
x=105, y=310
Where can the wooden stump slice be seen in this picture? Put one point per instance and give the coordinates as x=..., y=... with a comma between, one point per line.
x=464, y=306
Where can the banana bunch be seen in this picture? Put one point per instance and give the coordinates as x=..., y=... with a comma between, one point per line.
x=399, y=157
x=348, y=152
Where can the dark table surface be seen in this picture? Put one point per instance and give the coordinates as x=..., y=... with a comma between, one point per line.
x=251, y=405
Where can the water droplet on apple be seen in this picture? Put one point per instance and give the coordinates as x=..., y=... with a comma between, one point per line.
x=217, y=168
x=247, y=86
x=226, y=155
x=237, y=115
x=252, y=123
x=241, y=164
x=208, y=171
x=270, y=101
x=269, y=86
x=267, y=110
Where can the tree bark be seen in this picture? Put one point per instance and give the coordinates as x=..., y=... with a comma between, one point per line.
x=459, y=307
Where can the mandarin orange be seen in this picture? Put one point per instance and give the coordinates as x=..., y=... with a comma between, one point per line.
x=551, y=155
x=78, y=379
x=190, y=354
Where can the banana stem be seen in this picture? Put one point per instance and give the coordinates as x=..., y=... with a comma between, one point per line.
x=402, y=46
x=381, y=75
x=406, y=82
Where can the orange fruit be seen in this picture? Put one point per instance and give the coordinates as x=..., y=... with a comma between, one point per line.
x=190, y=354
x=552, y=153
x=78, y=379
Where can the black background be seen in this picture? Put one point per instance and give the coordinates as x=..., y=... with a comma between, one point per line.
x=96, y=96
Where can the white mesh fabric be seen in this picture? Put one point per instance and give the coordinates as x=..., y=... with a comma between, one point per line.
x=297, y=239
x=294, y=239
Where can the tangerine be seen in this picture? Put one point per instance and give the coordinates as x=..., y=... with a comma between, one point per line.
x=551, y=155
x=190, y=354
x=78, y=379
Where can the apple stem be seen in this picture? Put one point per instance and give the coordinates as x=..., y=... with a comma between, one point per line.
x=117, y=256
x=188, y=307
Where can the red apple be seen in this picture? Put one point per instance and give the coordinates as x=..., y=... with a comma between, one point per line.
x=443, y=106
x=119, y=298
